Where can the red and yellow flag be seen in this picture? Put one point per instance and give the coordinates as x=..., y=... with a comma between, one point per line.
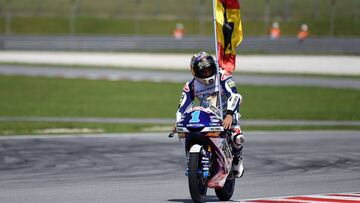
x=229, y=32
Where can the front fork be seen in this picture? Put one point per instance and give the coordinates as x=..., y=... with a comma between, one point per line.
x=205, y=163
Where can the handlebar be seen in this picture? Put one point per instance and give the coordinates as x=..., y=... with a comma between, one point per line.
x=226, y=131
x=171, y=135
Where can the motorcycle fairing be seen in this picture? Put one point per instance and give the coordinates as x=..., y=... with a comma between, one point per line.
x=224, y=159
x=205, y=120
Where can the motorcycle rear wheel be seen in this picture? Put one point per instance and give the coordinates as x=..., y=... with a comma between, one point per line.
x=197, y=183
x=226, y=192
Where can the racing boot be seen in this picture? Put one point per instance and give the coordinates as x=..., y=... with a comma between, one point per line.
x=238, y=165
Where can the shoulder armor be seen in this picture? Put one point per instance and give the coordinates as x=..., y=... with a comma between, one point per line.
x=225, y=75
x=186, y=87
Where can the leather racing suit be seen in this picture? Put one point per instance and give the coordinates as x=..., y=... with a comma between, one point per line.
x=231, y=100
x=230, y=97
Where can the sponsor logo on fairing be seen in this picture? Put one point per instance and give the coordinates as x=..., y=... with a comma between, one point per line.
x=215, y=124
x=215, y=120
x=195, y=125
x=226, y=149
x=181, y=130
x=215, y=129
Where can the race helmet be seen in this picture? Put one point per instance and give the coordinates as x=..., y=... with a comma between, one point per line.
x=203, y=68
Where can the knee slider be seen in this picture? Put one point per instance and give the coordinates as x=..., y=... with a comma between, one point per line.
x=238, y=139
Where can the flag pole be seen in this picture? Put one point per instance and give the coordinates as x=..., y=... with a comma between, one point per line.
x=215, y=32
x=217, y=82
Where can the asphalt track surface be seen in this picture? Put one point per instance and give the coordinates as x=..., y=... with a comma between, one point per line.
x=150, y=167
x=171, y=76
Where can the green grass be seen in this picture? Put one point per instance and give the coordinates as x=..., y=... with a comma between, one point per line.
x=93, y=26
x=300, y=103
x=60, y=97
x=317, y=28
x=114, y=26
x=317, y=9
x=35, y=96
x=158, y=17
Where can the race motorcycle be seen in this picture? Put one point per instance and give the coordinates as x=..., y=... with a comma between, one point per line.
x=209, y=152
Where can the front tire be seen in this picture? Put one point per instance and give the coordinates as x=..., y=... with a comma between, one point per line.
x=225, y=193
x=197, y=183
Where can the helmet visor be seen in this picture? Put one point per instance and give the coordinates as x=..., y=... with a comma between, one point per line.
x=205, y=71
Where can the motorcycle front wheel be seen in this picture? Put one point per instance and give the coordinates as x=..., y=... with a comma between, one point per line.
x=226, y=192
x=197, y=182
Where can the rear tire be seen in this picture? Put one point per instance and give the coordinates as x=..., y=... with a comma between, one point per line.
x=197, y=183
x=225, y=193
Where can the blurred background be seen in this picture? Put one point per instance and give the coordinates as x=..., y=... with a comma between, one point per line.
x=108, y=74
x=159, y=17
x=298, y=63
x=332, y=25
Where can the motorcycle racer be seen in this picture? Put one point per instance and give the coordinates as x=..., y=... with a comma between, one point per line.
x=202, y=87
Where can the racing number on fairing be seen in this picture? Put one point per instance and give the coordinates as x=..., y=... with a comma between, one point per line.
x=195, y=117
